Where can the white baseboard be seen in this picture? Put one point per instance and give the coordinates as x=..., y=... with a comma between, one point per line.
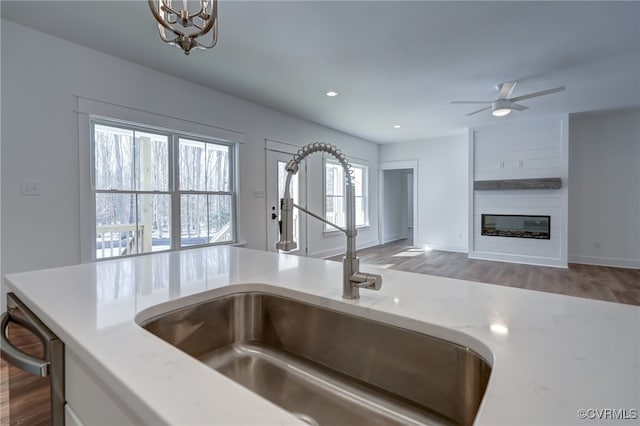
x=444, y=247
x=340, y=250
x=517, y=258
x=392, y=238
x=605, y=261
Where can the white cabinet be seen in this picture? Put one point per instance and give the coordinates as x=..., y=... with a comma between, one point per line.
x=89, y=400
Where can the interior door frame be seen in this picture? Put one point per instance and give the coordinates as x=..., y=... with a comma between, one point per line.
x=286, y=149
x=398, y=165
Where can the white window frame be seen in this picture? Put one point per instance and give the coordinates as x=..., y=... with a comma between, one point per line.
x=173, y=190
x=365, y=194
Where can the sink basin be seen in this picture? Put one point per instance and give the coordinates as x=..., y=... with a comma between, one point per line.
x=329, y=367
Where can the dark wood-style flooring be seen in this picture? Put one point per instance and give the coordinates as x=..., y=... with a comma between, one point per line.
x=618, y=285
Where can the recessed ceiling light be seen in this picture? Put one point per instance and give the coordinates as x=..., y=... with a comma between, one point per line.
x=499, y=329
x=331, y=93
x=397, y=126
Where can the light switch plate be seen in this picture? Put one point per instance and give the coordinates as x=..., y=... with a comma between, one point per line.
x=30, y=187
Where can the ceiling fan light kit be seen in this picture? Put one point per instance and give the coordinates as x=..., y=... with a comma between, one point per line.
x=503, y=105
x=182, y=27
x=500, y=108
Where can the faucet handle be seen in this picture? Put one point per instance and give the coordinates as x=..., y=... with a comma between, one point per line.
x=368, y=281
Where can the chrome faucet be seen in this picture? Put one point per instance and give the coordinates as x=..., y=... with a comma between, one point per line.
x=353, y=280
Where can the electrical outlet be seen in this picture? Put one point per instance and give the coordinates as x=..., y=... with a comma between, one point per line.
x=30, y=188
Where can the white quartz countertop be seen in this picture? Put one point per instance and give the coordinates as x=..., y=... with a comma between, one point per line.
x=561, y=354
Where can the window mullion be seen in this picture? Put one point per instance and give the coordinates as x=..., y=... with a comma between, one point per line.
x=174, y=184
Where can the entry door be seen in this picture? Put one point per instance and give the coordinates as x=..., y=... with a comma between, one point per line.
x=276, y=177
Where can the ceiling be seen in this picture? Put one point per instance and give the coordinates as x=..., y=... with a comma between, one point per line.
x=392, y=62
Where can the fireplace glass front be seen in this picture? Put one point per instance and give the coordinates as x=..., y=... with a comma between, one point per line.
x=517, y=226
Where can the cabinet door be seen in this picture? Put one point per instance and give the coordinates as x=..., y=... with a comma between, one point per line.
x=92, y=401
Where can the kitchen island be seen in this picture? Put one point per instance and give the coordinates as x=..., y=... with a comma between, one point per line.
x=551, y=355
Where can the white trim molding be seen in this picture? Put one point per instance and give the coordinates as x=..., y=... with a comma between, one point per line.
x=606, y=261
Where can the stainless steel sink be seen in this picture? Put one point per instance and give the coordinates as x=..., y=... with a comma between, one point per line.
x=328, y=367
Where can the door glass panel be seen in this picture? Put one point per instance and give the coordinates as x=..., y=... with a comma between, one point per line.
x=295, y=194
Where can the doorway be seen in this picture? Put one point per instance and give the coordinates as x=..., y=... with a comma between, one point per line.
x=398, y=201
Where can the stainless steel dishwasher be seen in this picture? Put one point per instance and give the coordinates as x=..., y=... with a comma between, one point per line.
x=36, y=367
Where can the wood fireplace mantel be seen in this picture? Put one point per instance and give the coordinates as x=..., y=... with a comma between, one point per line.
x=505, y=184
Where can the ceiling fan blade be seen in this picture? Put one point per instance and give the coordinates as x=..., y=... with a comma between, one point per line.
x=518, y=107
x=471, y=102
x=536, y=94
x=480, y=110
x=505, y=89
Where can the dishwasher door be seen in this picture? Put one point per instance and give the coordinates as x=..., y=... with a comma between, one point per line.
x=36, y=367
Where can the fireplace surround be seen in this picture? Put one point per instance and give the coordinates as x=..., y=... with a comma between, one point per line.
x=516, y=226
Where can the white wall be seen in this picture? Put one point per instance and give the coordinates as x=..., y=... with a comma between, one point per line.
x=536, y=149
x=41, y=77
x=442, y=189
x=396, y=205
x=604, y=196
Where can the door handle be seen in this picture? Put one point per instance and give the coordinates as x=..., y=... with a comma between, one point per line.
x=15, y=356
x=274, y=216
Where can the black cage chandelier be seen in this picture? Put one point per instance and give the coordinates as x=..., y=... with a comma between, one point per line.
x=180, y=26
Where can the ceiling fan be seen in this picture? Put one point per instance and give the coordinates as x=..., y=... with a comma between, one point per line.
x=504, y=104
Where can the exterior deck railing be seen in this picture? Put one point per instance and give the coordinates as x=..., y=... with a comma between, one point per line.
x=117, y=240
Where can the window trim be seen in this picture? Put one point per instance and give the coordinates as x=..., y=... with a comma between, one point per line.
x=326, y=229
x=173, y=189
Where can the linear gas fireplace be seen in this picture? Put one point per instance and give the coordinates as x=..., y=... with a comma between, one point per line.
x=516, y=226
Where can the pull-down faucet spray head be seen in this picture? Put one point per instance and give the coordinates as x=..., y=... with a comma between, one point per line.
x=287, y=242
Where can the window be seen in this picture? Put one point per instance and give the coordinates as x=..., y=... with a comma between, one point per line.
x=159, y=190
x=335, y=204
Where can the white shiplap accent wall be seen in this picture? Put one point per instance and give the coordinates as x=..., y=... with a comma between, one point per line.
x=520, y=151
